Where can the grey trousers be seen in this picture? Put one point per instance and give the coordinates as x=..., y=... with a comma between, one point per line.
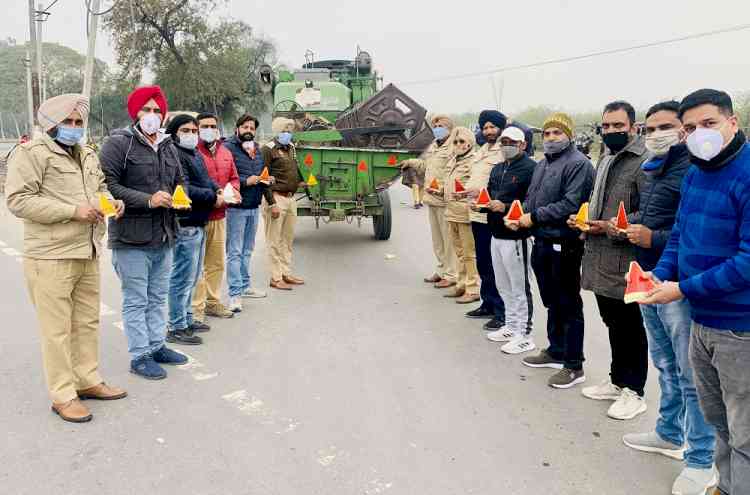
x=721, y=365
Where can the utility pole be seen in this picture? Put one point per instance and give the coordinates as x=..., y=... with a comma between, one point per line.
x=41, y=16
x=88, y=74
x=34, y=75
x=29, y=93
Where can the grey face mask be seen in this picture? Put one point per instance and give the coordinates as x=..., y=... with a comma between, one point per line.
x=510, y=151
x=554, y=147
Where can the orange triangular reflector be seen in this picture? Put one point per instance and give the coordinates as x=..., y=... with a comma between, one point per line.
x=264, y=175
x=180, y=200
x=582, y=217
x=308, y=160
x=622, y=217
x=108, y=209
x=362, y=167
x=434, y=184
x=458, y=187
x=516, y=211
x=312, y=181
x=638, y=284
x=484, y=197
x=392, y=160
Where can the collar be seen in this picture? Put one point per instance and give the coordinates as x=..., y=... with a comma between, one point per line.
x=55, y=147
x=727, y=154
x=657, y=165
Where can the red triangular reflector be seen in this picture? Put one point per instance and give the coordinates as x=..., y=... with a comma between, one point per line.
x=622, y=217
x=638, y=284
x=516, y=211
x=362, y=167
x=308, y=160
x=392, y=160
x=484, y=197
x=458, y=187
x=434, y=184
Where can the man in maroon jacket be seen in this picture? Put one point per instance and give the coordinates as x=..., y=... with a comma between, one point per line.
x=220, y=165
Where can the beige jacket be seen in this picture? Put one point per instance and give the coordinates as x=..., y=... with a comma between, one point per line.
x=487, y=157
x=458, y=168
x=432, y=164
x=44, y=186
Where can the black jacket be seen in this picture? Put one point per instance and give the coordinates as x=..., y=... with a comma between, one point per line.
x=200, y=189
x=246, y=167
x=135, y=171
x=560, y=185
x=660, y=198
x=508, y=182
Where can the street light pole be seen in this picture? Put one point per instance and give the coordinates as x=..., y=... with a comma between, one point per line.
x=34, y=75
x=40, y=14
x=29, y=93
x=88, y=75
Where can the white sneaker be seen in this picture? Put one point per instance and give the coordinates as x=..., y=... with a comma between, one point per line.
x=692, y=481
x=606, y=390
x=628, y=406
x=235, y=304
x=519, y=345
x=253, y=293
x=505, y=334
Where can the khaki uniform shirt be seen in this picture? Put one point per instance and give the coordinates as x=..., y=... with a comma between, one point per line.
x=487, y=157
x=458, y=168
x=432, y=164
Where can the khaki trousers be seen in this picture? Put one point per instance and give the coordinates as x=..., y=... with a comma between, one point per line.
x=280, y=236
x=463, y=243
x=207, y=290
x=65, y=294
x=442, y=245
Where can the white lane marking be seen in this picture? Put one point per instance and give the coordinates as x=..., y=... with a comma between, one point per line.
x=105, y=310
x=11, y=251
x=377, y=486
x=256, y=408
x=197, y=370
x=327, y=456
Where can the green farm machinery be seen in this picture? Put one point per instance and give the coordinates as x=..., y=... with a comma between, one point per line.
x=350, y=137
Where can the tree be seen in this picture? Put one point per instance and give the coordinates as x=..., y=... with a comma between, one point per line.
x=200, y=66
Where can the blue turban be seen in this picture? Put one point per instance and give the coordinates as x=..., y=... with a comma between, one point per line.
x=497, y=118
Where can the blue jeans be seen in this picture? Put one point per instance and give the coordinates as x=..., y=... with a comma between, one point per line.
x=186, y=267
x=144, y=279
x=680, y=416
x=242, y=224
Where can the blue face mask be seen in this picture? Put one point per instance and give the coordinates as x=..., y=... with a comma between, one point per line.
x=284, y=138
x=440, y=133
x=69, y=136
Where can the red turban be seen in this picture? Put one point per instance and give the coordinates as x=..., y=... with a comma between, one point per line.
x=141, y=95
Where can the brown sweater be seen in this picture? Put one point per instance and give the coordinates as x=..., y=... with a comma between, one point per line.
x=282, y=165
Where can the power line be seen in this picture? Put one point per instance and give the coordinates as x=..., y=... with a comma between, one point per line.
x=103, y=12
x=578, y=57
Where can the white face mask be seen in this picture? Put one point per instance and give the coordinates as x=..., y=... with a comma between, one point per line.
x=659, y=142
x=208, y=135
x=188, y=140
x=705, y=144
x=510, y=151
x=150, y=123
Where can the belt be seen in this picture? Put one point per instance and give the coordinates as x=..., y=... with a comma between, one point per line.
x=285, y=194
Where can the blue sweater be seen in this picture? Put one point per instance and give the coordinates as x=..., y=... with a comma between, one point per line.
x=709, y=249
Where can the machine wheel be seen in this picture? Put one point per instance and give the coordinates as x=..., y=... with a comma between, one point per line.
x=381, y=224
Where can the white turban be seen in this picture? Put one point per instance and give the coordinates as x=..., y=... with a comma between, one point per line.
x=58, y=108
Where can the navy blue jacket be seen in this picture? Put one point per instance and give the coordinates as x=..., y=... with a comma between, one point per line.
x=660, y=198
x=200, y=189
x=509, y=182
x=246, y=167
x=560, y=185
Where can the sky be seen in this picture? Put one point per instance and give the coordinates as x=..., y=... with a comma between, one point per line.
x=418, y=39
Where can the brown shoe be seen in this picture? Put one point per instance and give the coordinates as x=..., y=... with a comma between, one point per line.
x=218, y=311
x=455, y=293
x=444, y=284
x=467, y=298
x=102, y=392
x=291, y=279
x=280, y=284
x=435, y=278
x=73, y=411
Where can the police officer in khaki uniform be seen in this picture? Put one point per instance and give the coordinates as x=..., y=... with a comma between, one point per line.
x=433, y=164
x=279, y=206
x=53, y=185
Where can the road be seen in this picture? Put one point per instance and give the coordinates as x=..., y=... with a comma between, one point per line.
x=364, y=381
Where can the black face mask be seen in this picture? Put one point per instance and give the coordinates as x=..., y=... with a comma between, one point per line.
x=616, y=141
x=248, y=136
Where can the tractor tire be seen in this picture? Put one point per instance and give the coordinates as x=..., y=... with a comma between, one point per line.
x=381, y=224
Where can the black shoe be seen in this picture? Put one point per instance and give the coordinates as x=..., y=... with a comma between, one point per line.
x=494, y=324
x=167, y=356
x=480, y=312
x=200, y=327
x=185, y=337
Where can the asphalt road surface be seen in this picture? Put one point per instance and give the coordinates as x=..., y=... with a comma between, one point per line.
x=364, y=381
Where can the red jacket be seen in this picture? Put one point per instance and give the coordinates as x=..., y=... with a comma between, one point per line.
x=221, y=169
